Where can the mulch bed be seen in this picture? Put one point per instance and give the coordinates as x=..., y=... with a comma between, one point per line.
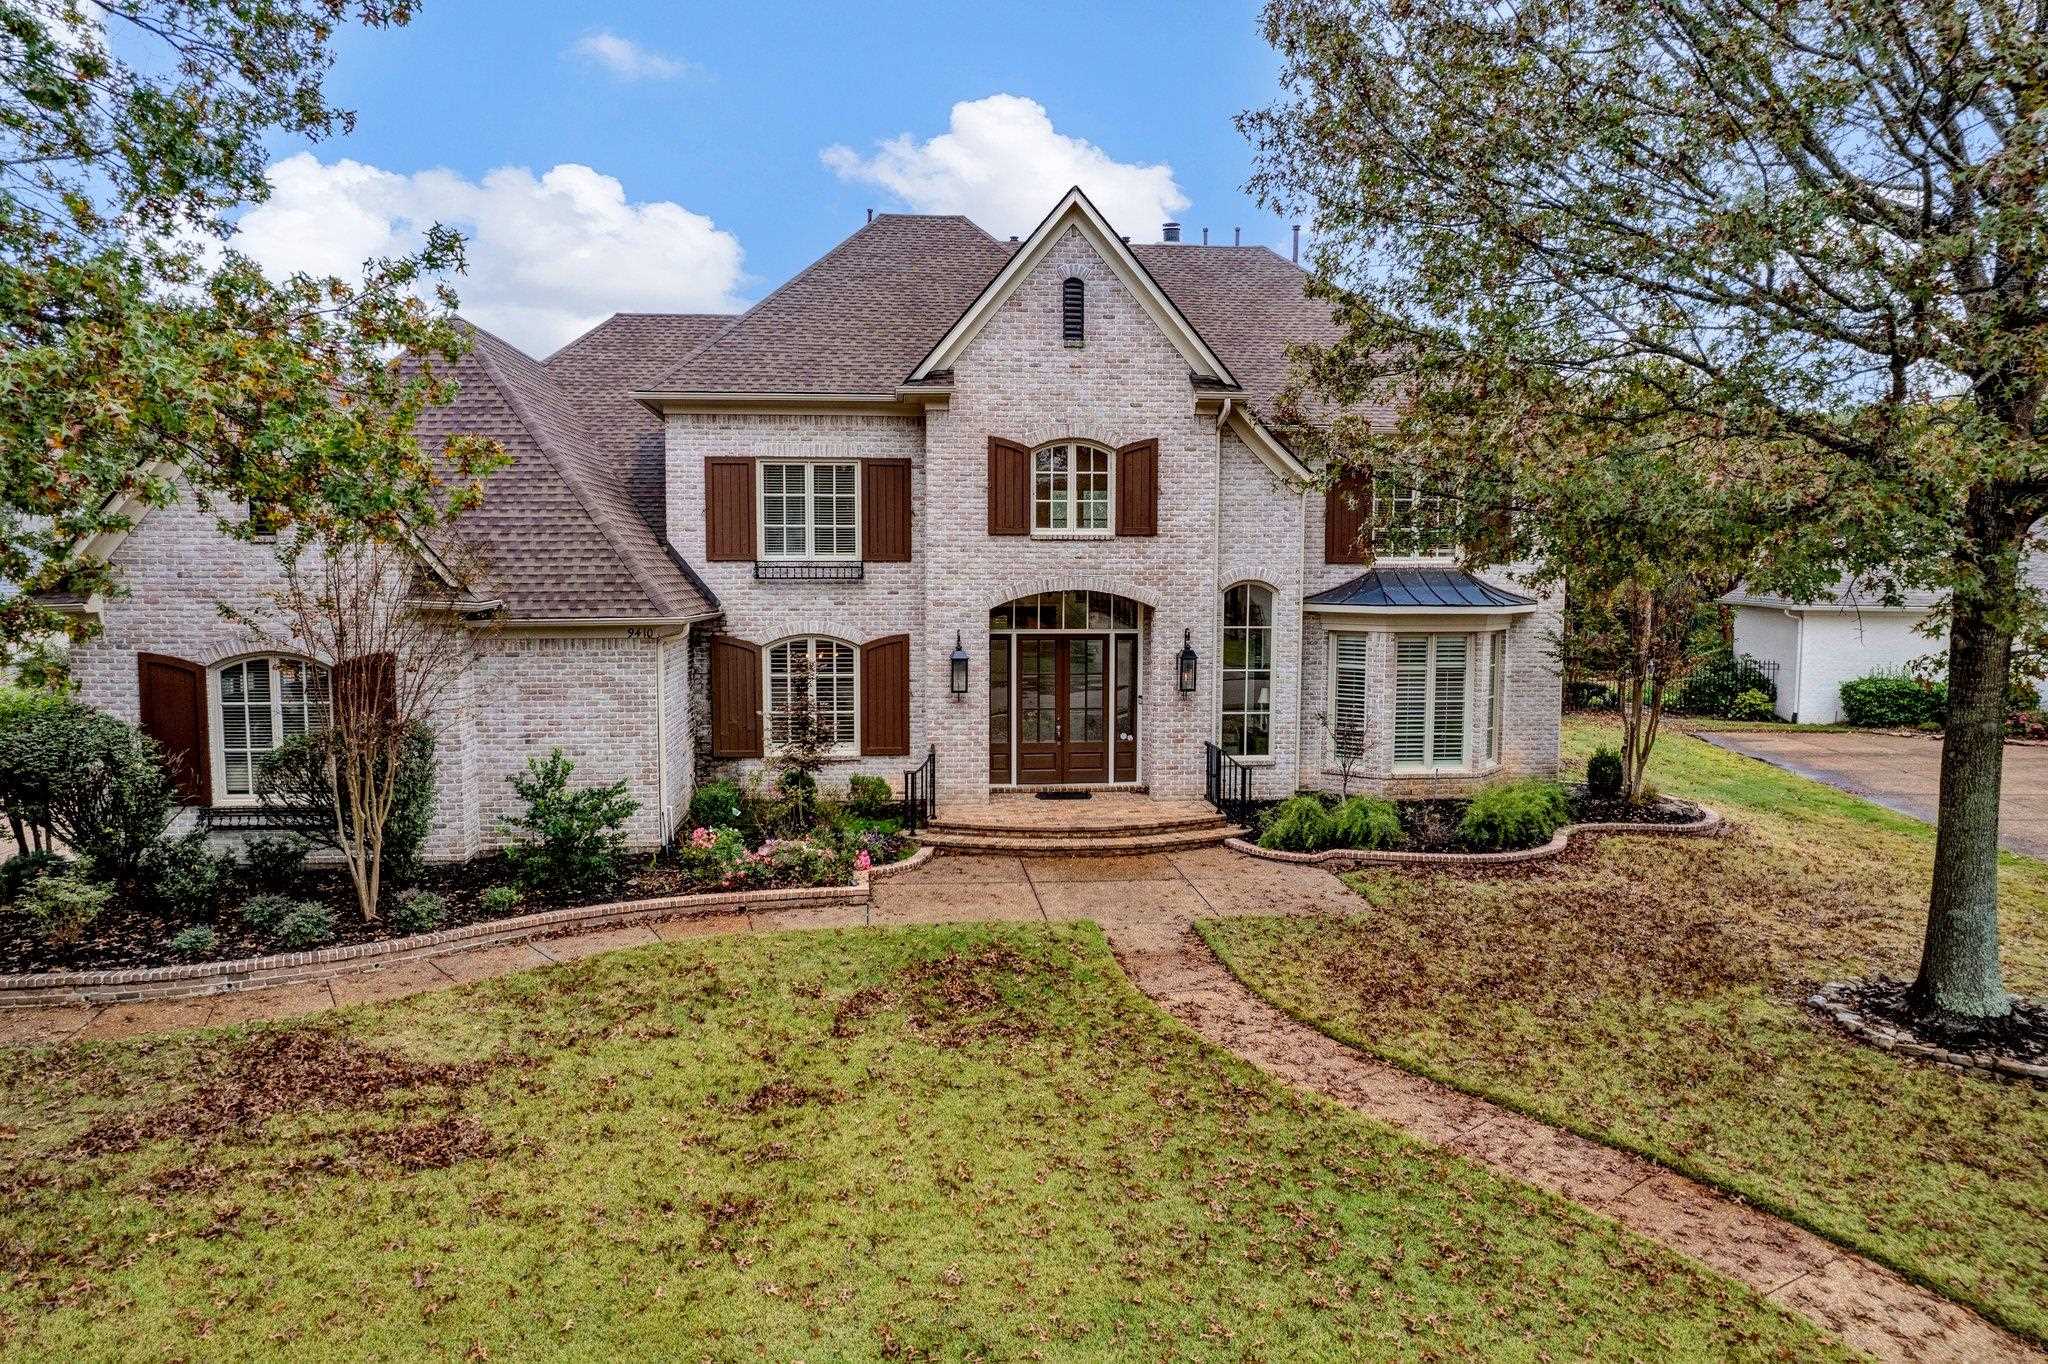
x=2021, y=1035
x=1432, y=825
x=129, y=934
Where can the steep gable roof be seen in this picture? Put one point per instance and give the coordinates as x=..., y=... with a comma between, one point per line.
x=1077, y=212
x=855, y=321
x=558, y=534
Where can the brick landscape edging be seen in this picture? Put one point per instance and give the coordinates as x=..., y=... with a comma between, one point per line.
x=1708, y=823
x=293, y=968
x=1836, y=999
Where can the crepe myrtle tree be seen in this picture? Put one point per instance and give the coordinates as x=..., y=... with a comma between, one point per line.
x=138, y=352
x=1812, y=225
x=391, y=634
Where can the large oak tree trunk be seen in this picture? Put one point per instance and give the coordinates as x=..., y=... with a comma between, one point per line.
x=1959, y=972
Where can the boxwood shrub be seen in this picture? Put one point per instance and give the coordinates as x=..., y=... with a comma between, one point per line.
x=1894, y=699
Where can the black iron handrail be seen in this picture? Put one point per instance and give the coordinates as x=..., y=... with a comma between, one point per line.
x=1229, y=784
x=920, y=792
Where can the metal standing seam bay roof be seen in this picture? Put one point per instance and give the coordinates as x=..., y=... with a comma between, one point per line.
x=1428, y=589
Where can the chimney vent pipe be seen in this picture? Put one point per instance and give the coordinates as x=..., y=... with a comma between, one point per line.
x=1169, y=232
x=1296, y=257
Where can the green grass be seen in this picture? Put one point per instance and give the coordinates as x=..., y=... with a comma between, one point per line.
x=1648, y=992
x=958, y=1143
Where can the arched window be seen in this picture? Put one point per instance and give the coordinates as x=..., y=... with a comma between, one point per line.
x=1070, y=489
x=812, y=678
x=1073, y=311
x=260, y=703
x=1247, y=671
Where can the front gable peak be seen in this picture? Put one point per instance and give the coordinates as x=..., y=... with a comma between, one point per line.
x=1076, y=212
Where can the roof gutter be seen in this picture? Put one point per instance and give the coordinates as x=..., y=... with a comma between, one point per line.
x=1326, y=609
x=660, y=400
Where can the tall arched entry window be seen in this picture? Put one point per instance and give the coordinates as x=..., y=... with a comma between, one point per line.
x=1063, y=689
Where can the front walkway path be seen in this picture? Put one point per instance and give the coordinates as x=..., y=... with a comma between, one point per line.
x=1147, y=906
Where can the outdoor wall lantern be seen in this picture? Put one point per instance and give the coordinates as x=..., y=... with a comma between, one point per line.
x=959, y=666
x=1187, y=660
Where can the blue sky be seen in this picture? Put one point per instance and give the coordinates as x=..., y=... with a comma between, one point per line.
x=705, y=131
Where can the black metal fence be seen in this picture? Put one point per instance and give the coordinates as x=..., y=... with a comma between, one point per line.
x=1711, y=688
x=920, y=799
x=1229, y=784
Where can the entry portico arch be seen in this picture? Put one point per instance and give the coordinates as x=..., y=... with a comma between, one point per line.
x=1064, y=667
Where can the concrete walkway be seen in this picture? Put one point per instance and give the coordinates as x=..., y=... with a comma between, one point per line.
x=1902, y=772
x=1147, y=905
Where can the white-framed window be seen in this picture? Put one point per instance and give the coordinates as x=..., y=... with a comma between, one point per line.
x=810, y=511
x=813, y=666
x=258, y=704
x=1350, y=696
x=1070, y=490
x=1410, y=522
x=1247, y=722
x=1432, y=676
x=1496, y=690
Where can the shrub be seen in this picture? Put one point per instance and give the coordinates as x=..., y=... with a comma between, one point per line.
x=264, y=912
x=499, y=899
x=295, y=779
x=802, y=862
x=96, y=782
x=1299, y=824
x=1516, y=814
x=1752, y=705
x=24, y=767
x=717, y=855
x=567, y=841
x=196, y=941
x=22, y=868
x=184, y=875
x=417, y=911
x=1604, y=774
x=306, y=924
x=1894, y=699
x=1712, y=687
x=61, y=906
x=715, y=804
x=870, y=797
x=1367, y=822
x=274, y=862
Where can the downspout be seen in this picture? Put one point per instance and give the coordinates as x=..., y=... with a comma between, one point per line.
x=1215, y=639
x=1798, y=619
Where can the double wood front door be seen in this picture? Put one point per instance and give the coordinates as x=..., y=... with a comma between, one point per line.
x=1062, y=708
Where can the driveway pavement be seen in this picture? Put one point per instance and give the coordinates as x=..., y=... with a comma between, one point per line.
x=1902, y=772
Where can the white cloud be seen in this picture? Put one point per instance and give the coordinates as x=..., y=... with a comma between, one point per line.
x=1001, y=163
x=625, y=58
x=549, y=257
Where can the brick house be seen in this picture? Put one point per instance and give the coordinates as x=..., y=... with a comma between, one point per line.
x=1009, y=504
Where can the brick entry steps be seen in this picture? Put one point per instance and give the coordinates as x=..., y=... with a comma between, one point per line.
x=1105, y=824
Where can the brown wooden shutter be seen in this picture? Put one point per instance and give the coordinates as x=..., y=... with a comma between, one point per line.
x=735, y=698
x=1137, y=488
x=885, y=511
x=173, y=712
x=367, y=686
x=1009, y=487
x=729, y=510
x=885, y=696
x=1347, y=529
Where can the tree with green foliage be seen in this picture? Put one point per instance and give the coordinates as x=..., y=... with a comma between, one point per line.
x=138, y=352
x=1814, y=229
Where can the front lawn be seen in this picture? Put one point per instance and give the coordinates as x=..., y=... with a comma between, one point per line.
x=945, y=1142
x=1647, y=992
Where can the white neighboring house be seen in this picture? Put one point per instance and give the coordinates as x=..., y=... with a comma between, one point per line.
x=1820, y=644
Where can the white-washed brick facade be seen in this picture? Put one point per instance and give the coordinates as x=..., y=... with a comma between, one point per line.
x=631, y=704
x=592, y=692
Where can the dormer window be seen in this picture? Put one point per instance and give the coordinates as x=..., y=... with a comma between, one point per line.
x=1073, y=311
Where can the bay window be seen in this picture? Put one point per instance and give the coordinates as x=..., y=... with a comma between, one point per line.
x=810, y=511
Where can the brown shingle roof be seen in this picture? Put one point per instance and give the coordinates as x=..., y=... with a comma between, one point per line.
x=858, y=319
x=557, y=530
